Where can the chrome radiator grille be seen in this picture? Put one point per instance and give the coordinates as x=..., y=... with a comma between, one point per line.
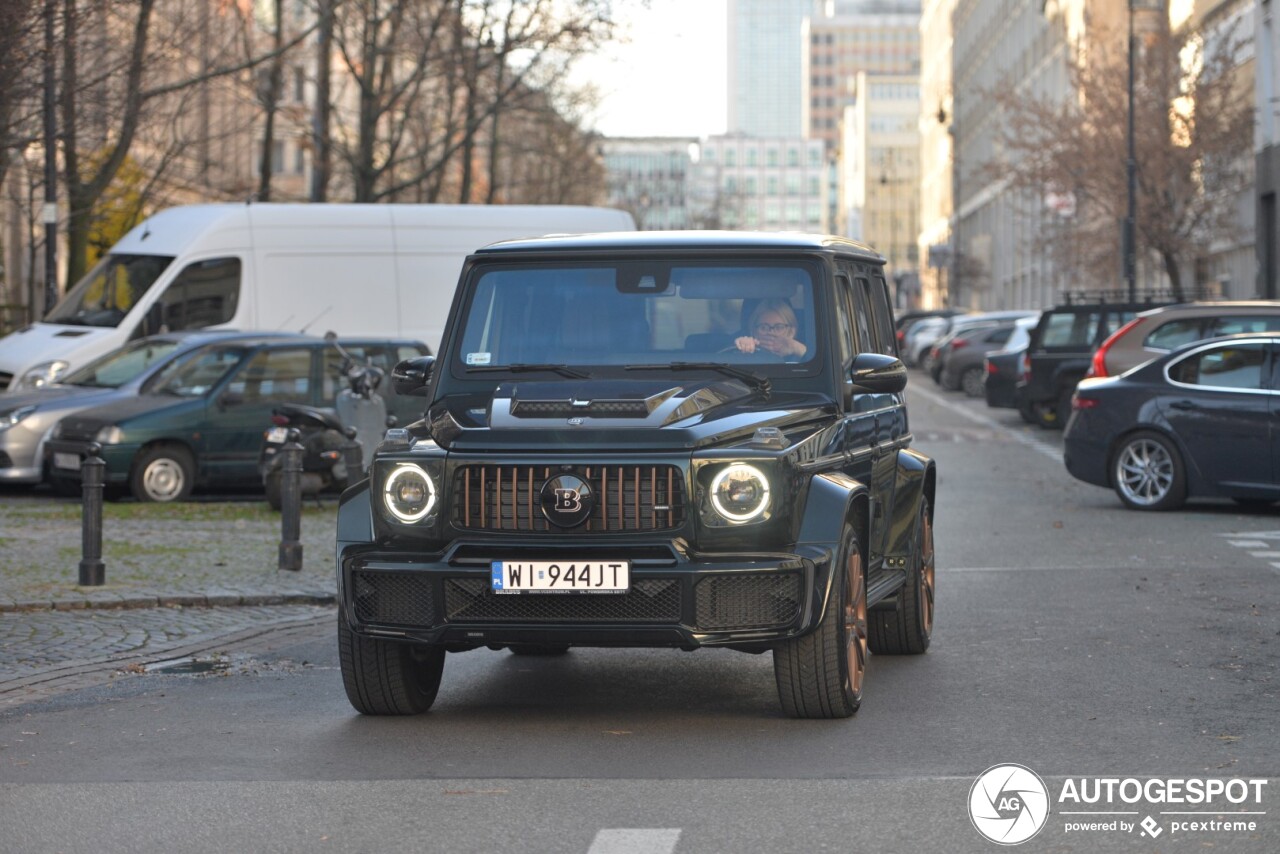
x=627, y=498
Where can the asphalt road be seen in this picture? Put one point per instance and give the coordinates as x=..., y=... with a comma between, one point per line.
x=1073, y=637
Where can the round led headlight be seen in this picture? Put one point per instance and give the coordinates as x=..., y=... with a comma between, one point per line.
x=409, y=493
x=740, y=492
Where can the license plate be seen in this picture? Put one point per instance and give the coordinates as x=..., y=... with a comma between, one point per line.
x=277, y=435
x=568, y=576
x=67, y=461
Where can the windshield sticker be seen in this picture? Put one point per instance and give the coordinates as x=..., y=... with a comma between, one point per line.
x=478, y=358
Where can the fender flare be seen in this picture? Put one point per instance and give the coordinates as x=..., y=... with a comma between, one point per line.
x=832, y=499
x=354, y=527
x=917, y=478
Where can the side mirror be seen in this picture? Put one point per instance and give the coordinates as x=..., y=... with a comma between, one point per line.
x=875, y=373
x=411, y=376
x=230, y=398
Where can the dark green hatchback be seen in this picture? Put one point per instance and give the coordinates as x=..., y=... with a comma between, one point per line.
x=200, y=424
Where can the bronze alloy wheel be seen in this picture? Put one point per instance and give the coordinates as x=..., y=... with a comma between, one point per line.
x=855, y=623
x=926, y=575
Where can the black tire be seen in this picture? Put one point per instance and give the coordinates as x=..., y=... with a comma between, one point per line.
x=163, y=473
x=1147, y=472
x=385, y=677
x=271, y=485
x=1063, y=407
x=821, y=674
x=971, y=382
x=1027, y=411
x=540, y=649
x=908, y=629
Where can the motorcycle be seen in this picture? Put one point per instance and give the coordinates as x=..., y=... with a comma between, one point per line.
x=359, y=416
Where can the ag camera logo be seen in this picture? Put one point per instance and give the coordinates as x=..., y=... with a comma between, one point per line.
x=1008, y=804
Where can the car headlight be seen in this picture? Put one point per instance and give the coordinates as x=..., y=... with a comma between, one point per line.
x=409, y=493
x=13, y=416
x=43, y=374
x=109, y=436
x=740, y=492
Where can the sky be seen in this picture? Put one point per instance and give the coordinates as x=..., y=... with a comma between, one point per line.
x=669, y=77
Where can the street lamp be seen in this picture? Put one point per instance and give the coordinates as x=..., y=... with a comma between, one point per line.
x=1129, y=240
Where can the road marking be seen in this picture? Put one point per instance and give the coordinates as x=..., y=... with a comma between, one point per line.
x=1265, y=554
x=635, y=840
x=1249, y=544
x=1048, y=450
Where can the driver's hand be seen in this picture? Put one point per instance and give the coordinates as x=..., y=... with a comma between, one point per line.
x=746, y=344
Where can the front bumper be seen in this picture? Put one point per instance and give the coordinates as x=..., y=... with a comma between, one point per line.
x=677, y=599
x=119, y=459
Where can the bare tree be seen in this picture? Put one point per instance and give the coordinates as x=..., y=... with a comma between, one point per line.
x=1193, y=131
x=19, y=65
x=434, y=78
x=269, y=96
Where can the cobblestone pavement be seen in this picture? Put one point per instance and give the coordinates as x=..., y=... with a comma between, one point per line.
x=181, y=579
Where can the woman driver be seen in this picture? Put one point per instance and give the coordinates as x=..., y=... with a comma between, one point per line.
x=772, y=327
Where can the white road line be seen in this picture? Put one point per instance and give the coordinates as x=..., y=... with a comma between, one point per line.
x=1249, y=544
x=1265, y=554
x=1275, y=566
x=1048, y=450
x=635, y=840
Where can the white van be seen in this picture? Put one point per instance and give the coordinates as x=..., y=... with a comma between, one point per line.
x=387, y=270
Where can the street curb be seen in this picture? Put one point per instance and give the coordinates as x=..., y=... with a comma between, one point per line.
x=177, y=600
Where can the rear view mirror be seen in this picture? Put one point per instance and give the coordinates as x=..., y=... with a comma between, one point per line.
x=411, y=376
x=875, y=373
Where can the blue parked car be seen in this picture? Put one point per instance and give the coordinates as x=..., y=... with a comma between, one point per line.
x=1196, y=422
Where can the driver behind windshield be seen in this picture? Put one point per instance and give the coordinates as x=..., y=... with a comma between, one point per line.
x=772, y=327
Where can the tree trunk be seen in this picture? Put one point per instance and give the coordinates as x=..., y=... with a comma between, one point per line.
x=1171, y=268
x=320, y=153
x=270, y=101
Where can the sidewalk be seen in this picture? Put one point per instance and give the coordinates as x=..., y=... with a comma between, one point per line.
x=182, y=580
x=188, y=554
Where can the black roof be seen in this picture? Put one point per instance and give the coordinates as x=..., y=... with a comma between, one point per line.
x=734, y=241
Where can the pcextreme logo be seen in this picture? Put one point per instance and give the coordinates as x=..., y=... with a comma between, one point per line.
x=1010, y=803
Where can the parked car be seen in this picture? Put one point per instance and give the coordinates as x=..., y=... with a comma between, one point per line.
x=200, y=421
x=963, y=366
x=903, y=321
x=1161, y=330
x=941, y=350
x=1060, y=351
x=1003, y=368
x=924, y=337
x=590, y=433
x=1196, y=422
x=26, y=417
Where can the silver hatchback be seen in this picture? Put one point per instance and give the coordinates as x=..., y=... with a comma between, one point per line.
x=1161, y=330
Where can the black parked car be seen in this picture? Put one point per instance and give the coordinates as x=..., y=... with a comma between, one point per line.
x=1197, y=422
x=1061, y=348
x=648, y=440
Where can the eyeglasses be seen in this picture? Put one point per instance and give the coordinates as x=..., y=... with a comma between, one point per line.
x=772, y=328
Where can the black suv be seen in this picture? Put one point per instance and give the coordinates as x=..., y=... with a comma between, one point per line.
x=613, y=455
x=1062, y=346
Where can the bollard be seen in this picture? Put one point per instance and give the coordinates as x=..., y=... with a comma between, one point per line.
x=291, y=504
x=93, y=474
x=353, y=458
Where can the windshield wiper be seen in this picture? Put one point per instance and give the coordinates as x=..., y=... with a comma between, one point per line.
x=523, y=368
x=752, y=379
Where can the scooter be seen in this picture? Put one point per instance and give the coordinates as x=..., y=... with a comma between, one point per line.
x=359, y=416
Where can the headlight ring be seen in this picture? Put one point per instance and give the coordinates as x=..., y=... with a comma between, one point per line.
x=409, y=493
x=740, y=493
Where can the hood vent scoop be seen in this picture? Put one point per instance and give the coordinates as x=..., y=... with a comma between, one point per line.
x=580, y=408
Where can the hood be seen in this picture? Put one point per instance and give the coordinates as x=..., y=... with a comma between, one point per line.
x=44, y=342
x=634, y=415
x=87, y=422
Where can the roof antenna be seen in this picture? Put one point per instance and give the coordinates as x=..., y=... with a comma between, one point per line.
x=314, y=319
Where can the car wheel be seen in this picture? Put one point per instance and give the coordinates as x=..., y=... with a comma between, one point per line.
x=385, y=677
x=539, y=649
x=1063, y=407
x=163, y=473
x=926, y=363
x=1045, y=415
x=1148, y=474
x=971, y=382
x=1027, y=412
x=820, y=675
x=908, y=628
